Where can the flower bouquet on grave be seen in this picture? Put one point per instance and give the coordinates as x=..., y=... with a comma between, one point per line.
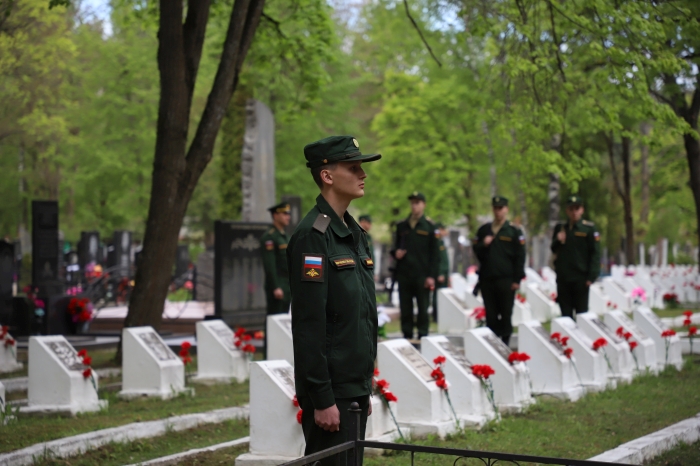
x=611, y=306
x=601, y=343
x=8, y=341
x=564, y=341
x=80, y=310
x=523, y=358
x=671, y=300
x=520, y=297
x=692, y=330
x=483, y=372
x=639, y=296
x=479, y=314
x=667, y=334
x=381, y=388
x=440, y=381
x=88, y=372
x=241, y=340
x=295, y=402
x=185, y=356
x=622, y=333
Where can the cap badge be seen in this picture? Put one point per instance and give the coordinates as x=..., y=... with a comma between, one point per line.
x=354, y=141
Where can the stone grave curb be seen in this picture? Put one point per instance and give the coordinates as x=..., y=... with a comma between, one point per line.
x=18, y=384
x=177, y=457
x=649, y=446
x=70, y=446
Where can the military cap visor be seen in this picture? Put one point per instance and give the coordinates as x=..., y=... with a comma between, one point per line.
x=335, y=149
x=280, y=208
x=574, y=200
x=499, y=201
x=416, y=195
x=365, y=218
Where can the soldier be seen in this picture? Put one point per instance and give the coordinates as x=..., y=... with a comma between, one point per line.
x=416, y=253
x=576, y=249
x=500, y=248
x=334, y=311
x=366, y=224
x=274, y=255
x=443, y=267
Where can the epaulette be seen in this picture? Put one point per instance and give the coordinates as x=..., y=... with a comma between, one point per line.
x=586, y=222
x=272, y=230
x=321, y=223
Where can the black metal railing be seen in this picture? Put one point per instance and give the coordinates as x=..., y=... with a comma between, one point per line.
x=354, y=447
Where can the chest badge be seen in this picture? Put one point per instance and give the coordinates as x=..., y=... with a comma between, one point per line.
x=312, y=268
x=343, y=263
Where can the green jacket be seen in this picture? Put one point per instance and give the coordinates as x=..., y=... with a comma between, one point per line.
x=334, y=311
x=370, y=244
x=422, y=257
x=444, y=264
x=273, y=245
x=505, y=256
x=578, y=259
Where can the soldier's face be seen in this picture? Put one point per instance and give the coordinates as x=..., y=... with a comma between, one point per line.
x=500, y=213
x=348, y=180
x=281, y=218
x=417, y=207
x=574, y=212
x=365, y=225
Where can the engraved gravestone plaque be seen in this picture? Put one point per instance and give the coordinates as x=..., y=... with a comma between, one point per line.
x=628, y=324
x=573, y=328
x=457, y=354
x=547, y=337
x=651, y=315
x=157, y=347
x=67, y=355
x=286, y=376
x=414, y=358
x=607, y=330
x=498, y=345
x=224, y=334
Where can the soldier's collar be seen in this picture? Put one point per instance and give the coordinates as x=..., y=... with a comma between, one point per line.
x=337, y=224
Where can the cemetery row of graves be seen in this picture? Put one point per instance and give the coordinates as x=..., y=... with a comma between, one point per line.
x=462, y=380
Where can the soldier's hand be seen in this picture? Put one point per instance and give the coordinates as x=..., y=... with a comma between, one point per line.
x=278, y=293
x=588, y=283
x=441, y=279
x=400, y=253
x=487, y=240
x=514, y=286
x=328, y=419
x=561, y=236
x=430, y=283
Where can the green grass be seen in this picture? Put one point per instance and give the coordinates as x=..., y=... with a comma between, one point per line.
x=116, y=454
x=682, y=455
x=30, y=430
x=672, y=312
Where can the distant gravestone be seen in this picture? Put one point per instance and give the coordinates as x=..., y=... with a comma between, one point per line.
x=542, y=306
x=646, y=351
x=89, y=248
x=7, y=274
x=149, y=367
x=258, y=163
x=597, y=299
x=279, y=338
x=218, y=359
x=454, y=318
x=617, y=350
x=182, y=262
x=590, y=364
x=239, y=277
x=650, y=323
x=296, y=213
x=204, y=279
x=617, y=294
x=56, y=381
x=121, y=241
x=45, y=249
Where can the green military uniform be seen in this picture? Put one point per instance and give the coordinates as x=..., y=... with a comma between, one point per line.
x=443, y=269
x=576, y=262
x=502, y=264
x=274, y=255
x=370, y=242
x=334, y=312
x=420, y=262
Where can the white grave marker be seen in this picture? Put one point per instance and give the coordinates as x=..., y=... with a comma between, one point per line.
x=617, y=350
x=464, y=291
x=543, y=307
x=597, y=299
x=521, y=313
x=551, y=372
x=56, y=382
x=8, y=354
x=466, y=393
x=218, y=359
x=590, y=364
x=275, y=435
x=511, y=383
x=650, y=324
x=646, y=351
x=422, y=406
x=279, y=338
x=453, y=316
x=617, y=295
x=149, y=367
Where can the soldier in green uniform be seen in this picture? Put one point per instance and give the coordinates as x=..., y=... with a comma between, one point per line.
x=366, y=224
x=274, y=254
x=500, y=248
x=334, y=312
x=576, y=246
x=417, y=260
x=443, y=267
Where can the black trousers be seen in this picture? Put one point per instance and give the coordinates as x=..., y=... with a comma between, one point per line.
x=318, y=439
x=572, y=296
x=408, y=289
x=498, y=301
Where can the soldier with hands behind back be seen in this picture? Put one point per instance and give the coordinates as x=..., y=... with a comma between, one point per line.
x=334, y=312
x=576, y=247
x=274, y=255
x=500, y=248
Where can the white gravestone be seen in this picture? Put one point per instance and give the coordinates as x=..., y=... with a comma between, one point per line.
x=646, y=351
x=550, y=371
x=149, y=367
x=275, y=435
x=650, y=324
x=543, y=307
x=8, y=357
x=511, y=383
x=422, y=406
x=279, y=338
x=380, y=425
x=466, y=393
x=56, y=382
x=453, y=316
x=617, y=295
x=617, y=350
x=218, y=359
x=590, y=364
x=597, y=299
x=521, y=313
x=464, y=291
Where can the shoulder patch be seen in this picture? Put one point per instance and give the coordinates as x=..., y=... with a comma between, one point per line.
x=312, y=268
x=321, y=223
x=271, y=230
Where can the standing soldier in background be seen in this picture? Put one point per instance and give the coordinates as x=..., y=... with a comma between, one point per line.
x=443, y=277
x=366, y=224
x=576, y=248
x=500, y=248
x=417, y=260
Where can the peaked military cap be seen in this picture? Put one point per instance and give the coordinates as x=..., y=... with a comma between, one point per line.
x=499, y=201
x=336, y=149
x=574, y=200
x=439, y=225
x=416, y=195
x=282, y=207
x=366, y=218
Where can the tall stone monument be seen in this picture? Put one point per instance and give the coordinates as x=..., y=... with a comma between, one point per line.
x=258, y=162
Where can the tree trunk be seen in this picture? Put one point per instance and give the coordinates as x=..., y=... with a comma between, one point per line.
x=492, y=160
x=692, y=150
x=645, y=180
x=627, y=200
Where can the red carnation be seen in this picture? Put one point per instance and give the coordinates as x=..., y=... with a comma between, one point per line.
x=376, y=372
x=439, y=360
x=556, y=336
x=620, y=331
x=568, y=352
x=437, y=373
x=238, y=343
x=246, y=337
x=687, y=313
x=523, y=357
x=3, y=331
x=599, y=343
x=82, y=353
x=259, y=335
x=186, y=345
x=633, y=344
x=299, y=413
x=668, y=333
x=10, y=342
x=564, y=340
x=87, y=373
x=239, y=331
x=693, y=331
x=87, y=360
x=687, y=322
x=186, y=360
x=295, y=402
x=483, y=371
x=513, y=357
x=249, y=349
x=382, y=384
x=627, y=335
x=442, y=383
x=390, y=396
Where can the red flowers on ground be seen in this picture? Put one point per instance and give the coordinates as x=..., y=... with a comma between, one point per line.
x=518, y=357
x=668, y=333
x=483, y=371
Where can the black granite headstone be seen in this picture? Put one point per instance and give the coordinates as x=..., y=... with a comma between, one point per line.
x=7, y=272
x=295, y=205
x=182, y=261
x=88, y=248
x=239, y=297
x=121, y=242
x=45, y=250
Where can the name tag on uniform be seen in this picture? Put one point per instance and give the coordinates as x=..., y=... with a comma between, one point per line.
x=282, y=246
x=505, y=238
x=343, y=263
x=581, y=233
x=312, y=268
x=422, y=232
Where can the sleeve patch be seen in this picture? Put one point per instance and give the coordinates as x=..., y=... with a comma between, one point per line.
x=596, y=235
x=521, y=238
x=269, y=245
x=312, y=268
